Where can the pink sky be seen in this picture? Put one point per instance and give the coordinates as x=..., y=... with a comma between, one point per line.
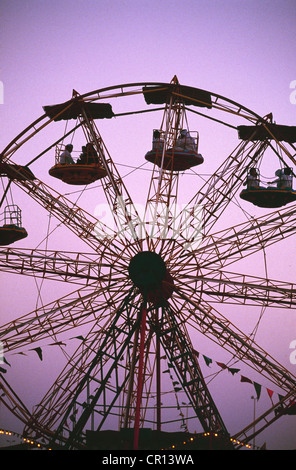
x=244, y=50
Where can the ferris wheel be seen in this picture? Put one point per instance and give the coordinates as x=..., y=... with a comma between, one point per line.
x=155, y=276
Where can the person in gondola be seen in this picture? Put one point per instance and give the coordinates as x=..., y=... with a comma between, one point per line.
x=284, y=180
x=92, y=156
x=157, y=143
x=252, y=180
x=66, y=157
x=185, y=141
x=82, y=160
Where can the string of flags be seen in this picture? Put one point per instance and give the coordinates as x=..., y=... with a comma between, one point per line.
x=233, y=370
x=38, y=350
x=208, y=361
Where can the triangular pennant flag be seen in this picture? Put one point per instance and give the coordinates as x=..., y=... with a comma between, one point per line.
x=78, y=337
x=258, y=389
x=208, y=360
x=39, y=352
x=233, y=371
x=220, y=364
x=3, y=370
x=270, y=392
x=245, y=379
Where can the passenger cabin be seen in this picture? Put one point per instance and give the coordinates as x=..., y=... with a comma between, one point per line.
x=86, y=170
x=268, y=197
x=271, y=196
x=181, y=156
x=12, y=230
x=282, y=193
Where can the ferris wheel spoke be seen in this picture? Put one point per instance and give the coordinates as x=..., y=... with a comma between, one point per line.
x=179, y=349
x=217, y=327
x=82, y=306
x=13, y=402
x=266, y=419
x=127, y=220
x=163, y=190
x=229, y=287
x=86, y=227
x=81, y=268
x=200, y=215
x=237, y=242
x=96, y=371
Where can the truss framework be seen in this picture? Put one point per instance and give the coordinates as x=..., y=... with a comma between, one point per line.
x=104, y=368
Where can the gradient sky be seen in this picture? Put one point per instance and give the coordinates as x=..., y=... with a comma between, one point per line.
x=241, y=49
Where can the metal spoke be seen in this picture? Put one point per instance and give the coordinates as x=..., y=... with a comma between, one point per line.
x=81, y=268
x=217, y=327
x=82, y=306
x=228, y=287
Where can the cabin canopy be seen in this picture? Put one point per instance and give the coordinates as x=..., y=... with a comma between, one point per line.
x=260, y=132
x=72, y=110
x=189, y=95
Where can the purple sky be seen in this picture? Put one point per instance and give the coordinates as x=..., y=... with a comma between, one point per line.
x=244, y=50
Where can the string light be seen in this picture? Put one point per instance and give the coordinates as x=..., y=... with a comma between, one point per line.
x=4, y=432
x=191, y=440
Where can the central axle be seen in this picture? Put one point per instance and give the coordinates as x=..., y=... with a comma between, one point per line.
x=149, y=273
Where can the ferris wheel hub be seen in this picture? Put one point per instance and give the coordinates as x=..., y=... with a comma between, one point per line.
x=149, y=273
x=147, y=269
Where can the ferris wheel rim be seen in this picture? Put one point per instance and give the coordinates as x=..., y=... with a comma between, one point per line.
x=253, y=114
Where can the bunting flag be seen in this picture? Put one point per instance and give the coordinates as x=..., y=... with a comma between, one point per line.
x=208, y=360
x=39, y=352
x=78, y=337
x=245, y=379
x=258, y=389
x=233, y=371
x=220, y=364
